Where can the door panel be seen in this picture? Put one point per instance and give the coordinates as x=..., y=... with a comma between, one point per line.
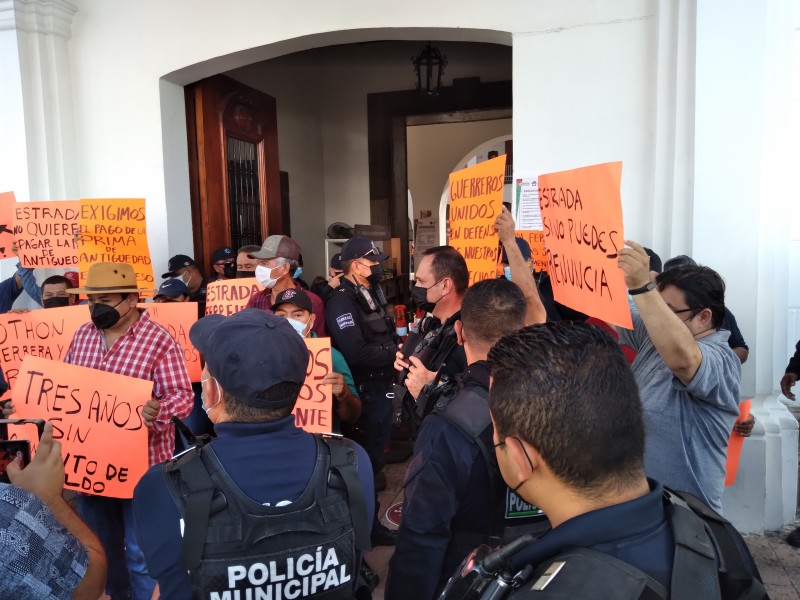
x=233, y=166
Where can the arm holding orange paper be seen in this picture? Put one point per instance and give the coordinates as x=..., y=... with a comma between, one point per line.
x=673, y=338
x=521, y=271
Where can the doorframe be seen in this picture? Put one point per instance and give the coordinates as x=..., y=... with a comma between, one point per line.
x=399, y=200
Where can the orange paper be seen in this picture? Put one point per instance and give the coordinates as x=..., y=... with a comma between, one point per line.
x=582, y=220
x=97, y=417
x=735, y=445
x=46, y=333
x=476, y=198
x=115, y=231
x=229, y=296
x=7, y=201
x=45, y=233
x=314, y=409
x=178, y=318
x=535, y=240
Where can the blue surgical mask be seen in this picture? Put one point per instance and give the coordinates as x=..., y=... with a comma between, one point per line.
x=298, y=273
x=298, y=326
x=507, y=272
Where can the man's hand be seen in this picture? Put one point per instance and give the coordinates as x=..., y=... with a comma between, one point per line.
x=418, y=376
x=337, y=382
x=335, y=281
x=19, y=311
x=635, y=263
x=150, y=412
x=745, y=428
x=787, y=381
x=8, y=409
x=504, y=225
x=44, y=476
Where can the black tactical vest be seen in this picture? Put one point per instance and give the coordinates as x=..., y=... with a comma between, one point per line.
x=235, y=548
x=467, y=409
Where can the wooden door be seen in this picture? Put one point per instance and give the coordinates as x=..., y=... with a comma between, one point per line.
x=233, y=166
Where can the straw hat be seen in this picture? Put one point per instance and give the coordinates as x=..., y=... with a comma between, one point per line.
x=109, y=278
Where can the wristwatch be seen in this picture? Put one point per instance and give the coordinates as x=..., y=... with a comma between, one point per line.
x=641, y=290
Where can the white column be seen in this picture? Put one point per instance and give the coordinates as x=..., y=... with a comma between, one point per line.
x=38, y=153
x=743, y=205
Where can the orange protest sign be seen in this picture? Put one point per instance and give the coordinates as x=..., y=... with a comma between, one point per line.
x=115, y=231
x=7, y=201
x=476, y=198
x=45, y=233
x=229, y=296
x=535, y=240
x=735, y=445
x=582, y=220
x=97, y=417
x=45, y=333
x=178, y=318
x=314, y=409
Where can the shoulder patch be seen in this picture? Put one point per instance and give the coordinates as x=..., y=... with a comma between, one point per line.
x=345, y=320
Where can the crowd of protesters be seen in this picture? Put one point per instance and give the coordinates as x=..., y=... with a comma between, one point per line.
x=526, y=420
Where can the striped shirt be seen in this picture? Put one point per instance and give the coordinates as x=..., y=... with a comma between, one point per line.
x=145, y=351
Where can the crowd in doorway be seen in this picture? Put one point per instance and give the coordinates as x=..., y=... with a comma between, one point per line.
x=549, y=451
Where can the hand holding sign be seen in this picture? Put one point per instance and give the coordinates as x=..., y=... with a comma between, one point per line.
x=635, y=263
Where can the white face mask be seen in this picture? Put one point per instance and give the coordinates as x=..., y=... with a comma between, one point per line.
x=207, y=409
x=299, y=326
x=264, y=276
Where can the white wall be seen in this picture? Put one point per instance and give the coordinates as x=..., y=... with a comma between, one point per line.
x=434, y=149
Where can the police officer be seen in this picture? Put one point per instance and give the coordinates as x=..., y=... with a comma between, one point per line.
x=362, y=331
x=455, y=498
x=265, y=509
x=442, y=278
x=569, y=437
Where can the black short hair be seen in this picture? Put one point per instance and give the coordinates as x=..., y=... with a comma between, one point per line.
x=567, y=390
x=702, y=286
x=447, y=262
x=681, y=260
x=243, y=413
x=347, y=266
x=56, y=280
x=490, y=309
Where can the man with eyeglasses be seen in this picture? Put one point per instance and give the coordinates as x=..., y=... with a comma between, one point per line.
x=454, y=499
x=688, y=376
x=362, y=331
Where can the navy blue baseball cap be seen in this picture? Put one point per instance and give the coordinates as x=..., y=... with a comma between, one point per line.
x=250, y=352
x=524, y=248
x=361, y=247
x=173, y=288
x=336, y=261
x=224, y=253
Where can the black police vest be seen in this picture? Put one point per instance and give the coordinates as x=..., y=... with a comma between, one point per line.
x=378, y=326
x=236, y=548
x=467, y=409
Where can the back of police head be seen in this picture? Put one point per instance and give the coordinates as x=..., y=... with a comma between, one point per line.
x=490, y=309
x=245, y=379
x=567, y=417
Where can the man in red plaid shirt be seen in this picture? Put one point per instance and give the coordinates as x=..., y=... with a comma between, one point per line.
x=123, y=339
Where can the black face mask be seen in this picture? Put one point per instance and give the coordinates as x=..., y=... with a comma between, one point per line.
x=105, y=316
x=376, y=274
x=55, y=302
x=419, y=296
x=229, y=271
x=243, y=274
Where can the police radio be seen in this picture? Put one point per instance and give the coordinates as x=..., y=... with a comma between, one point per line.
x=399, y=388
x=481, y=576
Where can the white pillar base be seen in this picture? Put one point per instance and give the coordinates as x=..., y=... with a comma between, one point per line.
x=764, y=497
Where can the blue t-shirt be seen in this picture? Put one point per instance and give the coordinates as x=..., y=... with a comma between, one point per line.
x=272, y=463
x=687, y=427
x=39, y=558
